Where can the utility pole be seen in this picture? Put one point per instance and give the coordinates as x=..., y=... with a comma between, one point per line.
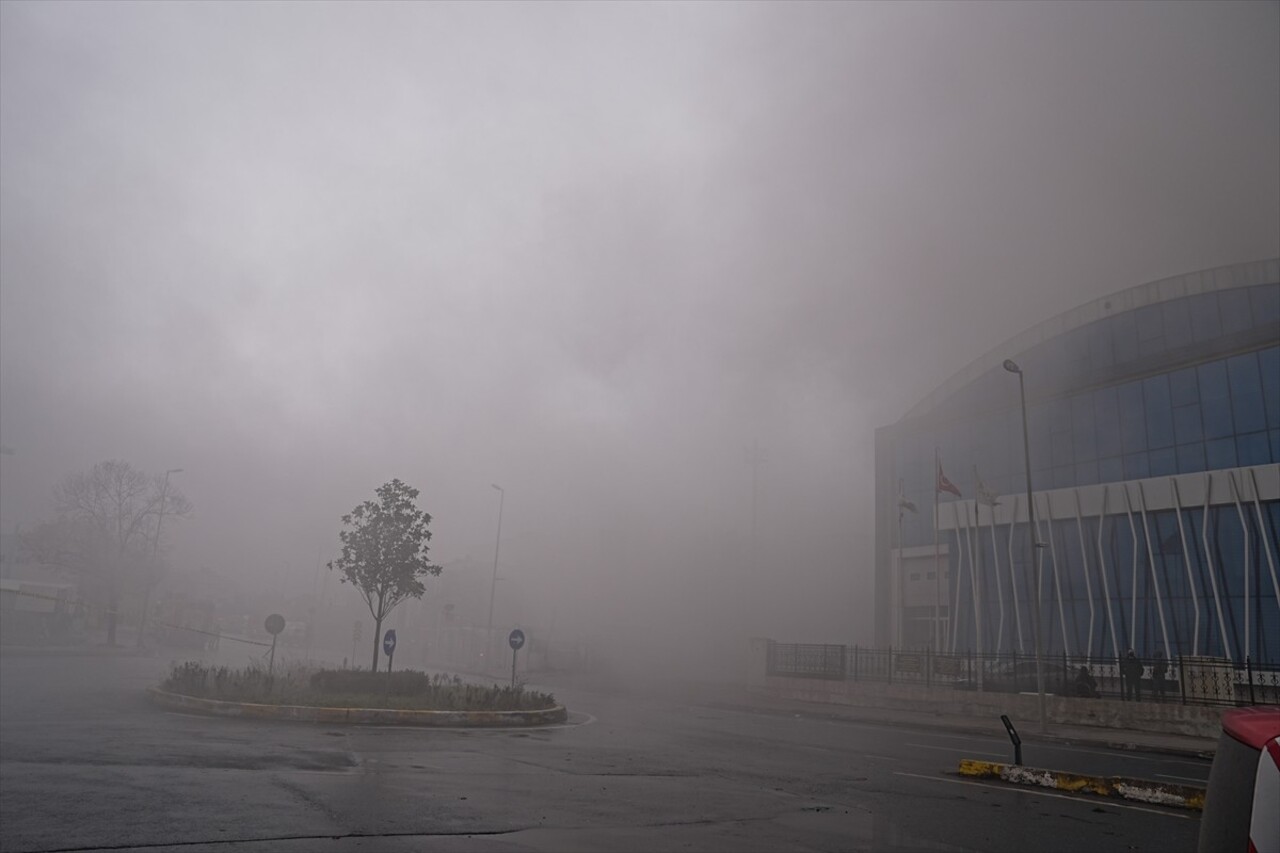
x=493, y=583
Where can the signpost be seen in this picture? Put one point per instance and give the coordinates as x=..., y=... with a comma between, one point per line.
x=355, y=638
x=274, y=625
x=389, y=647
x=516, y=641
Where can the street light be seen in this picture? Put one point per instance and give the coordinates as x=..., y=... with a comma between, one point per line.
x=493, y=583
x=155, y=551
x=1012, y=366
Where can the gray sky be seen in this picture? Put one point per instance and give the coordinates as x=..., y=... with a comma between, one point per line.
x=588, y=251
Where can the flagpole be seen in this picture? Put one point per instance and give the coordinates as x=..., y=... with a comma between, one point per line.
x=937, y=570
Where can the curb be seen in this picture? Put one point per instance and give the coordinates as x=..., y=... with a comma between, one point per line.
x=364, y=716
x=1140, y=790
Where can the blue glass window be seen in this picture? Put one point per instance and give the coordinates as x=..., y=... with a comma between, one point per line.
x=1107, y=418
x=1216, y=415
x=1236, y=315
x=1269, y=372
x=1220, y=453
x=1205, y=322
x=1133, y=421
x=1252, y=449
x=1110, y=469
x=1213, y=380
x=1264, y=301
x=1275, y=445
x=1186, y=424
x=1242, y=371
x=1099, y=346
x=1136, y=466
x=1249, y=412
x=1155, y=392
x=1150, y=322
x=1086, y=473
x=1177, y=323
x=1183, y=388
x=1061, y=449
x=1190, y=458
x=1082, y=427
x=1163, y=462
x=1124, y=337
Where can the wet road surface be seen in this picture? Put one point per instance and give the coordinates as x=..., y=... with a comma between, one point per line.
x=86, y=763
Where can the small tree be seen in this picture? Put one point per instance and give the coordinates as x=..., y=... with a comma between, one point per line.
x=384, y=552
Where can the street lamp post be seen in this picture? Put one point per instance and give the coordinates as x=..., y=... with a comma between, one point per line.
x=1032, y=567
x=493, y=583
x=155, y=553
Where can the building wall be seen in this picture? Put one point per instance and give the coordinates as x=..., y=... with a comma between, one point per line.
x=1183, y=382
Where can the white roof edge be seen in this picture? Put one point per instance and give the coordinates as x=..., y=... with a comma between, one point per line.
x=1227, y=277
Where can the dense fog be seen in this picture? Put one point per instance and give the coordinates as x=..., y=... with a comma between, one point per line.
x=654, y=269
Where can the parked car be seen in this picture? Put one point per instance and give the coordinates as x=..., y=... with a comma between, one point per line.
x=1244, y=785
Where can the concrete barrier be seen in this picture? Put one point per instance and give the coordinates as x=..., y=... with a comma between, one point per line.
x=363, y=716
x=1140, y=790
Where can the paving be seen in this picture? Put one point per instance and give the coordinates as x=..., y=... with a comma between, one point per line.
x=87, y=763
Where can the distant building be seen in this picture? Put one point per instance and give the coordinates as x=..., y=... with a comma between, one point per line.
x=1154, y=420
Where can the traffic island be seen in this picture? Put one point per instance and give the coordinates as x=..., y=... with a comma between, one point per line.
x=1139, y=790
x=301, y=693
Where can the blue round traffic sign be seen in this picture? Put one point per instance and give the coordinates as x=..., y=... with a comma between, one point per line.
x=389, y=641
x=516, y=639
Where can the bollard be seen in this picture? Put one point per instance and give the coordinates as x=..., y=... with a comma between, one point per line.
x=1013, y=736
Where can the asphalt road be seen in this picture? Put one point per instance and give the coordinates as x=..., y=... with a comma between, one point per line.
x=86, y=763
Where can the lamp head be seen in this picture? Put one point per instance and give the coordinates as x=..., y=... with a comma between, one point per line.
x=1012, y=366
x=496, y=486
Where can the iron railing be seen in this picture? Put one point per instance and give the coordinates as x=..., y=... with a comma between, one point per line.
x=1184, y=680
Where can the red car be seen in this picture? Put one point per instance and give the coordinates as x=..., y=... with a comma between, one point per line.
x=1242, y=806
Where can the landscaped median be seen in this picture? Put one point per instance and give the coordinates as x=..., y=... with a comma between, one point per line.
x=302, y=694
x=1141, y=790
x=363, y=716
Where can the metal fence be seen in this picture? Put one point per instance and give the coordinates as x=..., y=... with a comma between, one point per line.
x=1184, y=680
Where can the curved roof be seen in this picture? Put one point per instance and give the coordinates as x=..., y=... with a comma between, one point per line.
x=1151, y=293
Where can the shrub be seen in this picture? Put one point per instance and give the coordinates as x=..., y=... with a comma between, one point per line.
x=347, y=688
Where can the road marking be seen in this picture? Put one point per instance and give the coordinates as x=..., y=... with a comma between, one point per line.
x=1039, y=792
x=954, y=749
x=1183, y=778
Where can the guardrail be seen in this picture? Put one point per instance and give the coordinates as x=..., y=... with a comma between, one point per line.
x=1185, y=680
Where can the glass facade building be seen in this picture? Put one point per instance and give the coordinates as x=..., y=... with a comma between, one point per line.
x=1154, y=436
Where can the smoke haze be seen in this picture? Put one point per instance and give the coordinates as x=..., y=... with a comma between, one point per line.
x=591, y=252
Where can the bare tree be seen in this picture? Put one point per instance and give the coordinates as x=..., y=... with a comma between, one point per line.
x=105, y=520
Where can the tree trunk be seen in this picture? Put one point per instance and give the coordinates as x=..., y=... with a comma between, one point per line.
x=113, y=604
x=377, y=641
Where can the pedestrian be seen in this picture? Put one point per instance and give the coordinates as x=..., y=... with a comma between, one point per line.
x=1131, y=675
x=1159, y=667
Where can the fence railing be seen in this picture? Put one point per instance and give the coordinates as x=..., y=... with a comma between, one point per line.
x=1185, y=680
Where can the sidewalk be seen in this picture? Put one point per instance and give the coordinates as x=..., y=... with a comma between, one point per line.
x=739, y=698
